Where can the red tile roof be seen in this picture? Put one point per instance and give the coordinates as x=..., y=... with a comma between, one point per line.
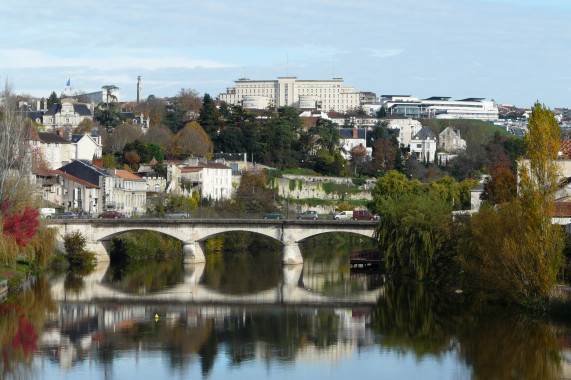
x=566, y=148
x=126, y=175
x=190, y=170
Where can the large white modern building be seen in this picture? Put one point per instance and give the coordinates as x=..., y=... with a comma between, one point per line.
x=439, y=107
x=326, y=95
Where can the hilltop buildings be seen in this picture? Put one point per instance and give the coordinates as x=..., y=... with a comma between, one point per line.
x=327, y=95
x=439, y=107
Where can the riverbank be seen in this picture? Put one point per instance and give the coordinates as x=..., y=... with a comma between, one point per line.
x=14, y=278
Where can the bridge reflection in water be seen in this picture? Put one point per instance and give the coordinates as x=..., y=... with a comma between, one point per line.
x=289, y=292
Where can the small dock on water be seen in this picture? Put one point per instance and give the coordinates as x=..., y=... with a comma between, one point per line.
x=366, y=259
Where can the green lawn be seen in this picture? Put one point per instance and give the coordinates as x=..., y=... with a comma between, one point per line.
x=301, y=171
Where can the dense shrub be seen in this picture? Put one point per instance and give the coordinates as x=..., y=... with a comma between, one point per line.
x=76, y=253
x=502, y=257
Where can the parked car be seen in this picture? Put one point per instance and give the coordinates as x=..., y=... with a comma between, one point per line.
x=273, y=215
x=363, y=215
x=48, y=213
x=309, y=214
x=344, y=215
x=67, y=215
x=178, y=215
x=110, y=215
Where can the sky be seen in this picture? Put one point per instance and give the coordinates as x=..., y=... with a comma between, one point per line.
x=512, y=51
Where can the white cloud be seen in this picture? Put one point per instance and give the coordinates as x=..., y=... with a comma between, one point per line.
x=26, y=58
x=382, y=53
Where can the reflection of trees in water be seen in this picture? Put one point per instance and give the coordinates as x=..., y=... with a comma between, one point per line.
x=497, y=344
x=336, y=247
x=22, y=317
x=273, y=334
x=146, y=275
x=242, y=273
x=326, y=264
x=510, y=347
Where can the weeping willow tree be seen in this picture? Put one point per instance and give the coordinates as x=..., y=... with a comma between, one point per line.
x=415, y=233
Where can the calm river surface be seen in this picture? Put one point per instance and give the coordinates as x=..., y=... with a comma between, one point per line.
x=243, y=315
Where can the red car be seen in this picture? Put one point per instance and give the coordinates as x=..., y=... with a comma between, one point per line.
x=110, y=215
x=363, y=215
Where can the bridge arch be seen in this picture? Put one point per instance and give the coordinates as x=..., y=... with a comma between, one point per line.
x=193, y=233
x=306, y=235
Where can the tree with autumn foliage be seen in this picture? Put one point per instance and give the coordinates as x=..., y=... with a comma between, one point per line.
x=21, y=225
x=190, y=141
x=384, y=154
x=513, y=253
x=502, y=187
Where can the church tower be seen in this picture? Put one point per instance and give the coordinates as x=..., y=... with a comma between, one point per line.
x=139, y=90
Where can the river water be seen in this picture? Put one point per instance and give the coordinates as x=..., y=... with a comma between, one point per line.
x=243, y=315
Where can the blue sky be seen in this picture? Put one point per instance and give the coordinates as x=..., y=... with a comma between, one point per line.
x=514, y=51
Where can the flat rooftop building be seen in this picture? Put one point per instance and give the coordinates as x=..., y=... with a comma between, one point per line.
x=326, y=95
x=440, y=107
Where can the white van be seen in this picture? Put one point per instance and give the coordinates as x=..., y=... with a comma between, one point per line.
x=47, y=213
x=344, y=215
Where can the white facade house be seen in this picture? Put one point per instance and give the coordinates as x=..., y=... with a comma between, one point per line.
x=350, y=138
x=130, y=193
x=86, y=147
x=67, y=115
x=423, y=145
x=289, y=91
x=213, y=179
x=407, y=129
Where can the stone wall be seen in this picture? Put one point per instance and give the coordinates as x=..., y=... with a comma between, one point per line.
x=301, y=189
x=369, y=183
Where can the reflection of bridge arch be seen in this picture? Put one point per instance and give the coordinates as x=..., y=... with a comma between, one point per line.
x=193, y=233
x=191, y=291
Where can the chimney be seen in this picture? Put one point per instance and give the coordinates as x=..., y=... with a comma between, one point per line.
x=98, y=162
x=355, y=133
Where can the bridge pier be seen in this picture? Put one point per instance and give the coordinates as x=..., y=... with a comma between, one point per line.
x=193, y=252
x=101, y=250
x=292, y=254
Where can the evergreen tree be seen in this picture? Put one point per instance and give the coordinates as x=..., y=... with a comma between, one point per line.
x=209, y=117
x=53, y=99
x=173, y=116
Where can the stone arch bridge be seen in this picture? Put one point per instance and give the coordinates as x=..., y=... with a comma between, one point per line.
x=193, y=232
